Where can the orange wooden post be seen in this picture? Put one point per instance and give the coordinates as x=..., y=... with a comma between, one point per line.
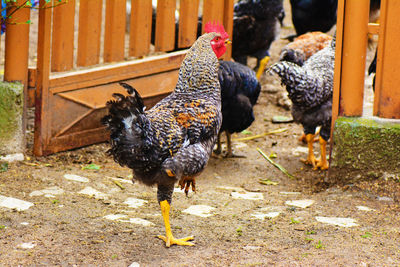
x=165, y=25
x=17, y=51
x=140, y=28
x=17, y=44
x=114, y=39
x=338, y=63
x=387, y=89
x=89, y=32
x=62, y=56
x=355, y=34
x=42, y=133
x=228, y=24
x=213, y=10
x=188, y=20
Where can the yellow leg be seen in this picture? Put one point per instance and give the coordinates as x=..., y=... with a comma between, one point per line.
x=311, y=158
x=261, y=68
x=322, y=162
x=168, y=238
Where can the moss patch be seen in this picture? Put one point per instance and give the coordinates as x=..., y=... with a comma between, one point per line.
x=11, y=109
x=366, y=148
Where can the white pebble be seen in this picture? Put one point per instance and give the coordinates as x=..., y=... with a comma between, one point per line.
x=343, y=222
x=200, y=210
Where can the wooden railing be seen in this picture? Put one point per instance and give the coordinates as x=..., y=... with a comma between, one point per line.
x=351, y=46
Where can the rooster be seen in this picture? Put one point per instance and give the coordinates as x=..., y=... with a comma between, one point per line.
x=310, y=89
x=239, y=93
x=172, y=141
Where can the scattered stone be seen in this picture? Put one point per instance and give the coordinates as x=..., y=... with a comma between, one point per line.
x=231, y=188
x=200, y=210
x=134, y=264
x=304, y=203
x=48, y=192
x=247, y=195
x=364, y=208
x=125, y=181
x=385, y=199
x=179, y=190
x=239, y=145
x=28, y=245
x=300, y=150
x=262, y=216
x=13, y=157
x=135, y=202
x=24, y=223
x=14, y=203
x=281, y=119
x=140, y=221
x=342, y=222
x=90, y=191
x=289, y=193
x=115, y=217
x=76, y=178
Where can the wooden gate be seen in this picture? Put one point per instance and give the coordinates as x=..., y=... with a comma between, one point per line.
x=73, y=85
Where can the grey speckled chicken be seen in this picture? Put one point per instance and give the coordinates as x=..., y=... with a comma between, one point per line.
x=172, y=141
x=310, y=88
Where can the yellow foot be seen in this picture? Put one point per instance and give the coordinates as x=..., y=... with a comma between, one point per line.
x=310, y=161
x=322, y=164
x=173, y=241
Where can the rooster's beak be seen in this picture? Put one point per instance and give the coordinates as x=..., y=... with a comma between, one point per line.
x=228, y=41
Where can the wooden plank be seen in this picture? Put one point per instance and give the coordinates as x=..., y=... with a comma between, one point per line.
x=213, y=10
x=140, y=28
x=373, y=28
x=62, y=56
x=89, y=32
x=355, y=34
x=188, y=20
x=114, y=39
x=228, y=24
x=165, y=25
x=62, y=82
x=42, y=114
x=387, y=89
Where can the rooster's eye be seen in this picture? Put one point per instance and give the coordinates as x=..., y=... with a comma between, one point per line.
x=217, y=38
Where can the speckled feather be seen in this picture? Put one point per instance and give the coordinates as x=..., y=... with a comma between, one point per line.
x=310, y=88
x=179, y=132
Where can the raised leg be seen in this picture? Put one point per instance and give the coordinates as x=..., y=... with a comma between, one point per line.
x=186, y=182
x=261, y=68
x=168, y=238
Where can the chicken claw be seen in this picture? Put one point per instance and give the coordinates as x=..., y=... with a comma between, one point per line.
x=185, y=182
x=174, y=241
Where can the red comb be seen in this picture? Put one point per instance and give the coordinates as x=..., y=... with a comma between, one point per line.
x=216, y=27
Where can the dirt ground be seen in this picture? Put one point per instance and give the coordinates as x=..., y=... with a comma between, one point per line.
x=66, y=227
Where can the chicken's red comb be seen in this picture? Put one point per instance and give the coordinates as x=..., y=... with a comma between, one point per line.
x=216, y=27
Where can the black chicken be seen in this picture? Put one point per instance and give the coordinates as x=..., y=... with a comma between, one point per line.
x=239, y=93
x=320, y=15
x=313, y=15
x=372, y=69
x=256, y=24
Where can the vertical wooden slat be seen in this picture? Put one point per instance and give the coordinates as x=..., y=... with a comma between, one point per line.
x=188, y=20
x=17, y=44
x=114, y=39
x=165, y=25
x=140, y=28
x=89, y=32
x=387, y=89
x=42, y=114
x=338, y=64
x=213, y=10
x=62, y=56
x=17, y=51
x=228, y=24
x=355, y=34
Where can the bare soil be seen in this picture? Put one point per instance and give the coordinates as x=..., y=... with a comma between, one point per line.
x=69, y=229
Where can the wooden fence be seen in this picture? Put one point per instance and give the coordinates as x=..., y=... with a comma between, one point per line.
x=351, y=45
x=72, y=84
